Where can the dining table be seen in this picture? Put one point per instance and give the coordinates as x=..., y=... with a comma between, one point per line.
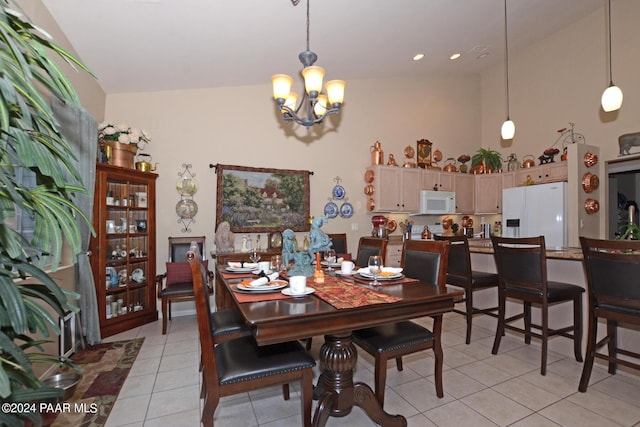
x=334, y=308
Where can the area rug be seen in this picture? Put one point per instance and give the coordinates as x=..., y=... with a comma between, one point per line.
x=105, y=368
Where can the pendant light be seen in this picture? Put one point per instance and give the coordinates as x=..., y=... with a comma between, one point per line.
x=508, y=127
x=612, y=96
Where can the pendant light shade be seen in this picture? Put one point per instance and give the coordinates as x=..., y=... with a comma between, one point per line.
x=612, y=96
x=508, y=129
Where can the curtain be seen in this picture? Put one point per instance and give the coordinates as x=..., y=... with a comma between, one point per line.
x=81, y=131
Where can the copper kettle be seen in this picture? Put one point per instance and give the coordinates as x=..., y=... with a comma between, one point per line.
x=450, y=165
x=528, y=161
x=144, y=164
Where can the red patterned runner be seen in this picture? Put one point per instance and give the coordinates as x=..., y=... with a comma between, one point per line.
x=342, y=294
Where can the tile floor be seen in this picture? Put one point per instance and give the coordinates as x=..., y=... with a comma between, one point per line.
x=480, y=389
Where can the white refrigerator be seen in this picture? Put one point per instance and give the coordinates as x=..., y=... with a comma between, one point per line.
x=536, y=210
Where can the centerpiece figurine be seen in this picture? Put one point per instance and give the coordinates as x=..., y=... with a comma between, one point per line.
x=298, y=263
x=120, y=143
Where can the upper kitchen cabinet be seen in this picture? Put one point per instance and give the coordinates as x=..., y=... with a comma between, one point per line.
x=550, y=172
x=488, y=191
x=395, y=189
x=464, y=185
x=433, y=179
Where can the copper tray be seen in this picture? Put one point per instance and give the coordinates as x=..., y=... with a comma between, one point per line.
x=369, y=190
x=368, y=176
x=590, y=159
x=371, y=205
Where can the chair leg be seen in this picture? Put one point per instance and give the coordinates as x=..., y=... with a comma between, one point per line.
x=285, y=392
x=469, y=313
x=164, y=316
x=577, y=328
x=592, y=333
x=308, y=341
x=500, y=327
x=527, y=322
x=545, y=338
x=380, y=373
x=439, y=357
x=399, y=363
x=612, y=345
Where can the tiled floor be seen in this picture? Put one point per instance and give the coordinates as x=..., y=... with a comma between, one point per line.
x=480, y=389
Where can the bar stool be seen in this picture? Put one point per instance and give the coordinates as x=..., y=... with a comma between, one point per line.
x=522, y=270
x=612, y=268
x=460, y=274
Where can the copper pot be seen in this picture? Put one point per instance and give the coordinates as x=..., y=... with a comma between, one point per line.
x=591, y=206
x=590, y=182
x=590, y=159
x=528, y=161
x=369, y=190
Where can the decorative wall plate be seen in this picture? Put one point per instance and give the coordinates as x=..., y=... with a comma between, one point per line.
x=187, y=186
x=346, y=210
x=186, y=208
x=409, y=152
x=338, y=192
x=331, y=210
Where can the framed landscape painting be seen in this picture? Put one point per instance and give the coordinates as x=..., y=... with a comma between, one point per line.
x=255, y=200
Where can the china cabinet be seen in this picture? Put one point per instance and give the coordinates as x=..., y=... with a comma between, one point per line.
x=123, y=251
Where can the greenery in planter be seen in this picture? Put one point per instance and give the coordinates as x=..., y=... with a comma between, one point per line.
x=30, y=139
x=630, y=231
x=492, y=159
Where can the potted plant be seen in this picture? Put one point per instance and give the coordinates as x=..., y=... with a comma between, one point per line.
x=630, y=231
x=491, y=160
x=120, y=143
x=30, y=139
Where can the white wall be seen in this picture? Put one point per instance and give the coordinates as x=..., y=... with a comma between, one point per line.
x=240, y=126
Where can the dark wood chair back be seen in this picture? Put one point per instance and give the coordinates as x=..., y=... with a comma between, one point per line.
x=426, y=260
x=179, y=246
x=611, y=267
x=368, y=246
x=339, y=243
x=459, y=267
x=521, y=263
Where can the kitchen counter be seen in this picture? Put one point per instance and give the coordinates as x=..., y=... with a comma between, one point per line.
x=483, y=246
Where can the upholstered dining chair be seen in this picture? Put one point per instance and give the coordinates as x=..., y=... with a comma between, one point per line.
x=522, y=270
x=176, y=284
x=425, y=260
x=240, y=365
x=612, y=268
x=460, y=274
x=368, y=246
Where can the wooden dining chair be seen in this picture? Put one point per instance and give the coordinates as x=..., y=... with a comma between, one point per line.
x=522, y=270
x=460, y=274
x=612, y=268
x=240, y=365
x=368, y=246
x=425, y=260
x=339, y=244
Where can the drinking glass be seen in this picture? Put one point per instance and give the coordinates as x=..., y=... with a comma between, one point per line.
x=375, y=267
x=330, y=257
x=276, y=263
x=255, y=256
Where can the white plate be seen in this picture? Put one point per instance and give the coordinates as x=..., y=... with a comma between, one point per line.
x=237, y=265
x=287, y=292
x=137, y=275
x=271, y=286
x=239, y=270
x=345, y=274
x=333, y=264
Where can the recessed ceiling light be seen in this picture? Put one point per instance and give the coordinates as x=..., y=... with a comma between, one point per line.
x=455, y=56
x=418, y=56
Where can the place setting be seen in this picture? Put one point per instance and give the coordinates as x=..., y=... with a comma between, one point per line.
x=297, y=287
x=375, y=272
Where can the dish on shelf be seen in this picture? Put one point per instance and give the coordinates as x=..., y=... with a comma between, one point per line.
x=137, y=275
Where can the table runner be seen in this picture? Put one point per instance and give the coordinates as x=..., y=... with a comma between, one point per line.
x=342, y=294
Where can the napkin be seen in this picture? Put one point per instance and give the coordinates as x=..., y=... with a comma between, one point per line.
x=240, y=265
x=258, y=282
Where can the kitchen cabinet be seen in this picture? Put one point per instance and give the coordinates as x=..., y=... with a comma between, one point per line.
x=464, y=185
x=437, y=180
x=508, y=179
x=396, y=189
x=550, y=172
x=488, y=191
x=123, y=251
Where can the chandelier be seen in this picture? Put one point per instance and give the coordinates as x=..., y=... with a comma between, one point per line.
x=314, y=106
